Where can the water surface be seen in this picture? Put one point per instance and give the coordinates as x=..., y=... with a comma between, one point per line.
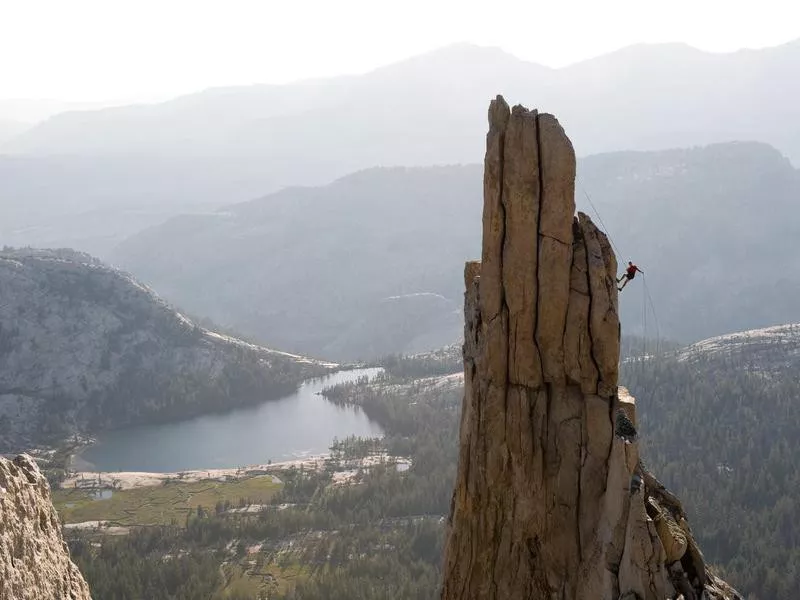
x=297, y=425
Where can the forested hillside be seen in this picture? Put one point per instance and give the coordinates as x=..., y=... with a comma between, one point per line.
x=378, y=537
x=720, y=435
x=84, y=347
x=720, y=423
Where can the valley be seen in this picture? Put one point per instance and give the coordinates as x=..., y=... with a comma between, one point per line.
x=284, y=527
x=293, y=497
x=270, y=338
x=293, y=541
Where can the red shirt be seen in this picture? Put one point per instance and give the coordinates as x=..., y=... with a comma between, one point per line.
x=632, y=269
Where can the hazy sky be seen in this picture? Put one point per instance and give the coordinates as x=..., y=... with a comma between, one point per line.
x=103, y=50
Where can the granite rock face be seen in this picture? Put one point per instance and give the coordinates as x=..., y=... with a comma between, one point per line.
x=549, y=503
x=34, y=560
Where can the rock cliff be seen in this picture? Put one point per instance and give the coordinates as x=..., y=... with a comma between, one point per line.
x=34, y=560
x=84, y=347
x=551, y=499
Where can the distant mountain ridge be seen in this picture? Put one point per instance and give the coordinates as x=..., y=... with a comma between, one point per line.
x=84, y=347
x=356, y=269
x=767, y=350
x=230, y=144
x=708, y=97
x=314, y=269
x=10, y=129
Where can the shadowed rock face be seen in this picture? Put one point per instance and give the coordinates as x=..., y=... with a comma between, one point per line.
x=547, y=501
x=34, y=560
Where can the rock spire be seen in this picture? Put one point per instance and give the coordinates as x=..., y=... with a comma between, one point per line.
x=549, y=503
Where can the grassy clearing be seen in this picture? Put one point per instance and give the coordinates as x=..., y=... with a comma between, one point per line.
x=288, y=576
x=239, y=583
x=246, y=578
x=251, y=577
x=160, y=505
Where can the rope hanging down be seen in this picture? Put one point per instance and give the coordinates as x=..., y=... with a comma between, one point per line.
x=644, y=322
x=647, y=301
x=655, y=316
x=646, y=298
x=599, y=218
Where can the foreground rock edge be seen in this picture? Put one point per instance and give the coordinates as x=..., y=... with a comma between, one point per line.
x=34, y=558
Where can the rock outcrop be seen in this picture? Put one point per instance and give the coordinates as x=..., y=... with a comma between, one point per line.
x=550, y=503
x=34, y=560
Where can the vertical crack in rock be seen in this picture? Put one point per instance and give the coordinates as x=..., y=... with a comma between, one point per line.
x=555, y=243
x=544, y=506
x=520, y=184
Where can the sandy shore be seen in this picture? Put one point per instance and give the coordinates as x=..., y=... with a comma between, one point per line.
x=102, y=526
x=125, y=480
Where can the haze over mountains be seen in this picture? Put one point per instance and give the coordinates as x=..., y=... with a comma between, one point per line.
x=367, y=265
x=10, y=129
x=371, y=264
x=20, y=114
x=647, y=97
x=226, y=145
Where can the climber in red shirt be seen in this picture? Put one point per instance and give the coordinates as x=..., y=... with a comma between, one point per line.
x=629, y=274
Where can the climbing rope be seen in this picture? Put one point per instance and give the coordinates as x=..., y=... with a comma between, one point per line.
x=655, y=316
x=599, y=218
x=647, y=302
x=645, y=294
x=712, y=383
x=644, y=322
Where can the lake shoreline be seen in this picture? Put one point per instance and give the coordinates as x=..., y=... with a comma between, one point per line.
x=125, y=480
x=289, y=429
x=72, y=445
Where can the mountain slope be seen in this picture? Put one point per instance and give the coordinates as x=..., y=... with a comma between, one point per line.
x=359, y=268
x=721, y=427
x=713, y=228
x=10, y=129
x=366, y=266
x=769, y=350
x=92, y=202
x=387, y=110
x=84, y=347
